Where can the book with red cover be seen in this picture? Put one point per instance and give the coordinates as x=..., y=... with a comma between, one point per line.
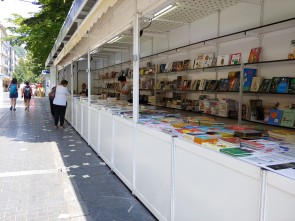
x=254, y=55
x=235, y=58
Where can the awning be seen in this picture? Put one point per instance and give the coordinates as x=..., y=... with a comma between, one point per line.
x=95, y=14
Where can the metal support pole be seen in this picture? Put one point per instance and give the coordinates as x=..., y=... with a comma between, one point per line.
x=72, y=93
x=241, y=94
x=89, y=93
x=136, y=69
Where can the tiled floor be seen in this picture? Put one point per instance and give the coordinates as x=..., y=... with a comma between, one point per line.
x=52, y=174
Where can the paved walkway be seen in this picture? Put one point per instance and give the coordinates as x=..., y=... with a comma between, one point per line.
x=52, y=174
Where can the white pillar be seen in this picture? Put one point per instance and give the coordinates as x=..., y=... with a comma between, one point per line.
x=136, y=69
x=89, y=93
x=72, y=93
x=1, y=89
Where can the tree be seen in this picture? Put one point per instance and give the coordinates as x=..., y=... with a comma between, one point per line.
x=38, y=33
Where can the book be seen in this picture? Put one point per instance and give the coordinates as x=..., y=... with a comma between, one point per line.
x=283, y=85
x=291, y=88
x=236, y=152
x=288, y=118
x=233, y=74
x=234, y=84
x=174, y=66
x=222, y=60
x=265, y=85
x=255, y=85
x=179, y=66
x=168, y=67
x=199, y=61
x=254, y=55
x=208, y=59
x=275, y=117
x=162, y=68
x=223, y=84
x=291, y=54
x=212, y=85
x=202, y=84
x=235, y=58
x=274, y=84
x=249, y=73
x=186, y=64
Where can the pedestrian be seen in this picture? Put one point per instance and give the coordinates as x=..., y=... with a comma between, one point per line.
x=51, y=96
x=84, y=91
x=27, y=94
x=13, y=94
x=60, y=103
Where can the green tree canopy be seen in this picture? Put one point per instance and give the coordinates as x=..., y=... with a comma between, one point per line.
x=38, y=33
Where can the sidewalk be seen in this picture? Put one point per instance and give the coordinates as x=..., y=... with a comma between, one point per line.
x=52, y=174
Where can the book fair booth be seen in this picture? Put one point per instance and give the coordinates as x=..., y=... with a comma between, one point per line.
x=209, y=134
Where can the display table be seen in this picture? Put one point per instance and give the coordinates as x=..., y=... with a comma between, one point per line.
x=180, y=180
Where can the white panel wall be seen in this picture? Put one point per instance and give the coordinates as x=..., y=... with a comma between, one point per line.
x=275, y=10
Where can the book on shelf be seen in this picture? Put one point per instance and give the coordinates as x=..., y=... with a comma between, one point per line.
x=168, y=67
x=249, y=73
x=162, y=68
x=283, y=85
x=291, y=54
x=208, y=59
x=199, y=61
x=291, y=88
x=233, y=74
x=223, y=84
x=179, y=66
x=212, y=85
x=186, y=64
x=235, y=58
x=222, y=60
x=254, y=55
x=275, y=117
x=234, y=84
x=265, y=86
x=288, y=118
x=174, y=66
x=255, y=85
x=202, y=84
x=274, y=84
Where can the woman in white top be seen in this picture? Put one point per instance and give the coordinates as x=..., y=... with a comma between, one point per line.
x=60, y=103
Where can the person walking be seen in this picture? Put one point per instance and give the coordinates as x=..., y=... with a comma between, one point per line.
x=13, y=94
x=60, y=103
x=27, y=94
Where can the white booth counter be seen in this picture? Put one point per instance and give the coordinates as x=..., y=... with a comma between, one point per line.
x=220, y=187
x=180, y=180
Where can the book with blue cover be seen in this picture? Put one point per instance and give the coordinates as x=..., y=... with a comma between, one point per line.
x=249, y=73
x=275, y=117
x=283, y=85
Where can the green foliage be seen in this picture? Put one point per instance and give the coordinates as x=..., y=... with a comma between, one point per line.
x=20, y=51
x=38, y=33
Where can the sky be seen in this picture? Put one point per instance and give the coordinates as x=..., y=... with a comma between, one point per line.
x=21, y=7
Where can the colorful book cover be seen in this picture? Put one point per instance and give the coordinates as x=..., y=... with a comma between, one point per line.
x=186, y=65
x=202, y=84
x=233, y=74
x=162, y=68
x=212, y=85
x=222, y=60
x=234, y=84
x=223, y=85
x=274, y=84
x=179, y=66
x=174, y=66
x=249, y=73
x=275, y=117
x=199, y=61
x=236, y=152
x=288, y=118
x=291, y=54
x=283, y=85
x=255, y=85
x=291, y=88
x=208, y=59
x=254, y=55
x=265, y=86
x=235, y=58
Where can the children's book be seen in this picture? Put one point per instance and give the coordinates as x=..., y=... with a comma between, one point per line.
x=235, y=58
x=199, y=61
x=222, y=60
x=186, y=65
x=275, y=117
x=233, y=74
x=254, y=55
x=162, y=68
x=174, y=66
x=223, y=85
x=208, y=59
x=256, y=82
x=291, y=54
x=179, y=66
x=283, y=85
x=236, y=85
x=291, y=88
x=265, y=85
x=249, y=73
x=168, y=67
x=212, y=85
x=288, y=118
x=274, y=84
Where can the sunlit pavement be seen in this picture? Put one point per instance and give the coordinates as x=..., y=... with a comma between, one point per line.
x=52, y=174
